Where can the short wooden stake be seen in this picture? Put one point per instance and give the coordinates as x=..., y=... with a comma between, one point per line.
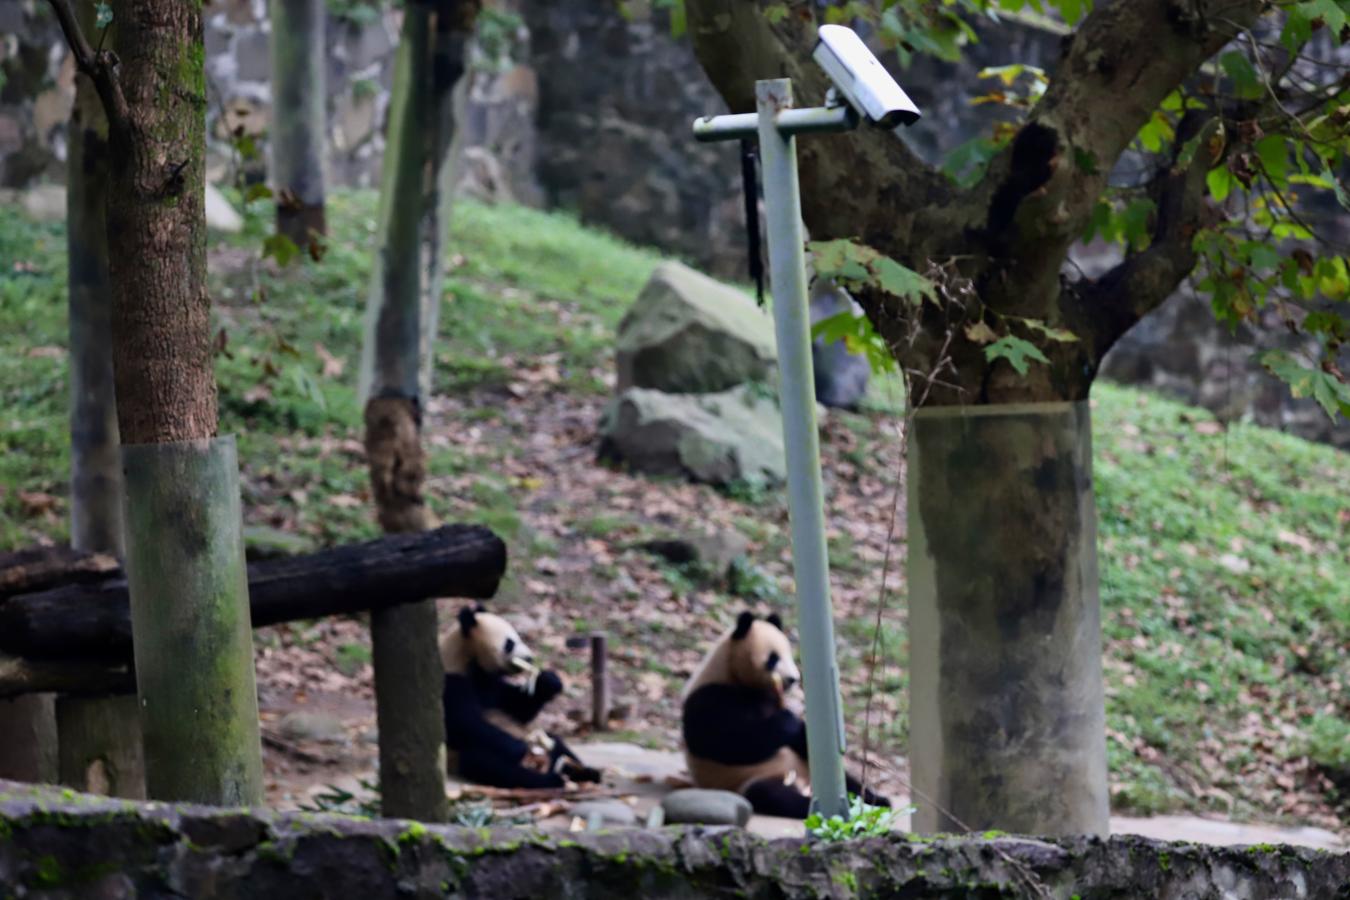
x=599, y=682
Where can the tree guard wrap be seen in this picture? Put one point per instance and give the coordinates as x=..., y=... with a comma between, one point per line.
x=1007, y=707
x=190, y=622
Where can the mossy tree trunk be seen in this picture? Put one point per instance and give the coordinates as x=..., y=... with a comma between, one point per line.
x=28, y=749
x=299, y=97
x=401, y=323
x=100, y=740
x=185, y=559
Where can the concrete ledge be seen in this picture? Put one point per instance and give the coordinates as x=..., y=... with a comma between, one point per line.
x=56, y=843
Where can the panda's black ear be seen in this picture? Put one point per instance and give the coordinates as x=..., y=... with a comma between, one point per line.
x=468, y=618
x=743, y=624
x=479, y=607
x=772, y=619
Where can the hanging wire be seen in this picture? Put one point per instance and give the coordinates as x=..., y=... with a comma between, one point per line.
x=750, y=185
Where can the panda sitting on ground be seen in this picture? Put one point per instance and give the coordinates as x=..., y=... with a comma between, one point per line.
x=738, y=736
x=486, y=715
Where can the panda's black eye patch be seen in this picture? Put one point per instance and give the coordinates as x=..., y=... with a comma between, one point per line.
x=509, y=645
x=772, y=662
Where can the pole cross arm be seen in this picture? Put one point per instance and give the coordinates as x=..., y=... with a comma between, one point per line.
x=812, y=120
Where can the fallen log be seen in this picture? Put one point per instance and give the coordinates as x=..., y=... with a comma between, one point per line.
x=58, y=844
x=39, y=568
x=91, y=623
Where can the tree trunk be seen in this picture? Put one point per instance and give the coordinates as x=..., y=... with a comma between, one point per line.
x=28, y=745
x=395, y=377
x=1006, y=712
x=404, y=654
x=100, y=739
x=185, y=559
x=101, y=745
x=299, y=97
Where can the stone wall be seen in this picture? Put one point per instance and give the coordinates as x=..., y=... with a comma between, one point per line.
x=59, y=844
x=38, y=89
x=618, y=96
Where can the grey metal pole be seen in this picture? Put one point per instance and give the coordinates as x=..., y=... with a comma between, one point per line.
x=810, y=559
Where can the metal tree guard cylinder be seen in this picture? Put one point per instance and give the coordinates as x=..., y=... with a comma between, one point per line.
x=775, y=123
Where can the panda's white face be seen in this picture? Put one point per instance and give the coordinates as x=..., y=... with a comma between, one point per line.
x=493, y=644
x=762, y=658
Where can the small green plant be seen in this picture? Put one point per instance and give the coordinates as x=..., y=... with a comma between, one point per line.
x=747, y=580
x=863, y=821
x=350, y=657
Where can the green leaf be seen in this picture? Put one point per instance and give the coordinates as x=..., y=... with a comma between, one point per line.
x=903, y=282
x=103, y=15
x=1085, y=160
x=1274, y=154
x=1062, y=335
x=980, y=333
x=1305, y=381
x=1342, y=195
x=280, y=248
x=856, y=265
x=1220, y=182
x=256, y=192
x=1016, y=351
x=776, y=13
x=1246, y=81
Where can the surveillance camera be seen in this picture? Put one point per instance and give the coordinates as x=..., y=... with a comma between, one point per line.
x=861, y=78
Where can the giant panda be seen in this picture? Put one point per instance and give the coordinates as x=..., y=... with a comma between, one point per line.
x=738, y=735
x=486, y=715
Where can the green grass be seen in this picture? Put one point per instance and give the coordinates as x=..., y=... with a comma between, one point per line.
x=1226, y=587
x=1225, y=576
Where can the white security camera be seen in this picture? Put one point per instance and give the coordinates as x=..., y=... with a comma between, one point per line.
x=862, y=79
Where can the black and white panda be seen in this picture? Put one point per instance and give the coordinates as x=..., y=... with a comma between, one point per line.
x=486, y=716
x=738, y=735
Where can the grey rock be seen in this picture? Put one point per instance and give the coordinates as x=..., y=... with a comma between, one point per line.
x=719, y=438
x=45, y=203
x=841, y=376
x=305, y=725
x=609, y=812
x=220, y=215
x=700, y=806
x=714, y=552
x=690, y=334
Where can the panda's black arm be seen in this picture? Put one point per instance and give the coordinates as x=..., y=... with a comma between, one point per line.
x=466, y=727
x=738, y=726
x=522, y=705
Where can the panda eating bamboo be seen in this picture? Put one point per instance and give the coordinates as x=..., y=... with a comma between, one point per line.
x=738, y=736
x=487, y=716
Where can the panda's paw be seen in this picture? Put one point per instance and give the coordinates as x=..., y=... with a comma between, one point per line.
x=547, y=685
x=581, y=774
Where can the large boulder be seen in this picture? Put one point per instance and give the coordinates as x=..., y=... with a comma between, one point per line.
x=721, y=438
x=690, y=334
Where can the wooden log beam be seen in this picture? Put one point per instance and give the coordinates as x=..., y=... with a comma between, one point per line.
x=39, y=568
x=91, y=623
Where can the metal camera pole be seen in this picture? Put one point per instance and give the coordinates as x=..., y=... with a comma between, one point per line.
x=776, y=123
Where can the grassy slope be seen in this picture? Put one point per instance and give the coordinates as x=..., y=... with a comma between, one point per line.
x=1225, y=563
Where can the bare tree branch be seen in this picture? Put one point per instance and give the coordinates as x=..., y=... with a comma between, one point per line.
x=99, y=65
x=1143, y=280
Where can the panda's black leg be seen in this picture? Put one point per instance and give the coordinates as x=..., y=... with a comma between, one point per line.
x=486, y=767
x=771, y=797
x=572, y=765
x=856, y=788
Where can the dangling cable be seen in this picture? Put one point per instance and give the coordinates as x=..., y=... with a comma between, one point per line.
x=750, y=184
